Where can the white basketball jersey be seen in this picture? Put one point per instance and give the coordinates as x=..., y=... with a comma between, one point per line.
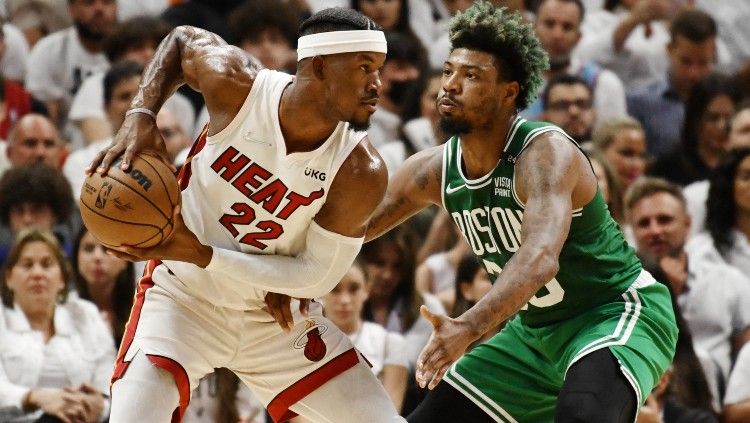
x=242, y=191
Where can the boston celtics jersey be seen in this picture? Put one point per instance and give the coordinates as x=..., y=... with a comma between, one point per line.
x=596, y=263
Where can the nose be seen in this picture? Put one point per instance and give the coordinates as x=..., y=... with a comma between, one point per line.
x=451, y=84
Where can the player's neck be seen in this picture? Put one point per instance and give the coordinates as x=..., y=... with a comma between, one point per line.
x=302, y=123
x=482, y=147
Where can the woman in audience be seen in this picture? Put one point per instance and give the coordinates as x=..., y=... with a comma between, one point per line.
x=105, y=280
x=56, y=352
x=727, y=213
x=705, y=132
x=622, y=143
x=384, y=350
x=394, y=301
x=392, y=15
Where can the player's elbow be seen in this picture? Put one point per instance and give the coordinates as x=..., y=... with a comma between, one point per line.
x=546, y=263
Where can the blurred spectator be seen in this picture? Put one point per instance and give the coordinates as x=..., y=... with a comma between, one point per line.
x=133, y=40
x=267, y=29
x=471, y=284
x=211, y=15
x=38, y=18
x=393, y=299
x=385, y=350
x=424, y=131
x=623, y=144
x=713, y=296
x=120, y=86
x=609, y=184
x=697, y=192
x=737, y=398
x=392, y=15
x=404, y=63
x=731, y=17
x=14, y=53
x=557, y=25
x=34, y=139
x=568, y=104
x=174, y=134
x=705, y=131
x=660, y=106
x=35, y=196
x=627, y=37
x=15, y=102
x=60, y=62
x=105, y=280
x=220, y=397
x=727, y=213
x=128, y=9
x=57, y=354
x=437, y=275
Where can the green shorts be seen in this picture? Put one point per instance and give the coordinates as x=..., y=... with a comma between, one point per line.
x=517, y=375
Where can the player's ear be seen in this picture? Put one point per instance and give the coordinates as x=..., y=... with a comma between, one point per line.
x=319, y=67
x=511, y=90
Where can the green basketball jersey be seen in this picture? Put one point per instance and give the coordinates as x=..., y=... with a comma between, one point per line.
x=596, y=263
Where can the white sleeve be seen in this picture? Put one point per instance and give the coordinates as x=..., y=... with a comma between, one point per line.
x=13, y=61
x=313, y=273
x=40, y=72
x=609, y=97
x=738, y=387
x=89, y=100
x=395, y=350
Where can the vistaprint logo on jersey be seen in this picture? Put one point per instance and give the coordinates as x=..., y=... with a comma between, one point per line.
x=315, y=174
x=502, y=186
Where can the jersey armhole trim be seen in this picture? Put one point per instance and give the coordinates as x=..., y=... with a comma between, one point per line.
x=444, y=173
x=220, y=136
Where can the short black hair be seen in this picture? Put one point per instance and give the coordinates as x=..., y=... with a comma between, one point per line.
x=405, y=47
x=37, y=184
x=119, y=71
x=695, y=25
x=509, y=38
x=133, y=33
x=696, y=107
x=252, y=17
x=337, y=19
x=563, y=79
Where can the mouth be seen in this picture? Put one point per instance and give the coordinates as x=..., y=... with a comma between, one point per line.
x=370, y=105
x=446, y=105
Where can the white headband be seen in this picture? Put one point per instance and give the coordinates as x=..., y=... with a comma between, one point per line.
x=340, y=42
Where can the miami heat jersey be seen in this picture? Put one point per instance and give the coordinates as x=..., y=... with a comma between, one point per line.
x=242, y=191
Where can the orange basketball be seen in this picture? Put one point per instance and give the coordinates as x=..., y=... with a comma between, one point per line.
x=132, y=208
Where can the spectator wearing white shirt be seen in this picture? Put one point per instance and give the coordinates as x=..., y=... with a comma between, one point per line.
x=56, y=352
x=713, y=296
x=728, y=213
x=737, y=398
x=60, y=62
x=558, y=26
x=384, y=350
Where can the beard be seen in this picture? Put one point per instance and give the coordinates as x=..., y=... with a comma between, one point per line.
x=359, y=125
x=559, y=63
x=454, y=127
x=87, y=33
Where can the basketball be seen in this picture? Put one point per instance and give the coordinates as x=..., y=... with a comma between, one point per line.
x=131, y=208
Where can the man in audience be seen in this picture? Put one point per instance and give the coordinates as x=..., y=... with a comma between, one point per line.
x=558, y=26
x=660, y=107
x=568, y=104
x=267, y=29
x=714, y=297
x=60, y=62
x=34, y=139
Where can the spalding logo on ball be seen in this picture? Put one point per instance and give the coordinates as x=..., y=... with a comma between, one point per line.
x=132, y=208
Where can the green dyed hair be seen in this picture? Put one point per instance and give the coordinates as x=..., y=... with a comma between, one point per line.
x=506, y=36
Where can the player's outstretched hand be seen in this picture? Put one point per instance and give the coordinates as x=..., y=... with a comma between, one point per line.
x=138, y=133
x=180, y=245
x=279, y=306
x=448, y=342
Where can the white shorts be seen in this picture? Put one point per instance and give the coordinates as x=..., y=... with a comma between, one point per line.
x=189, y=337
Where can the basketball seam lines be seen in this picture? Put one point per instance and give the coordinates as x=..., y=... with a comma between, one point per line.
x=145, y=198
x=161, y=230
x=162, y=182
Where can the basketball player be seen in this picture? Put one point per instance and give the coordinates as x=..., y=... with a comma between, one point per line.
x=272, y=201
x=592, y=331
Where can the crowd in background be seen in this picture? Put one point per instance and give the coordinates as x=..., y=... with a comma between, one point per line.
x=656, y=92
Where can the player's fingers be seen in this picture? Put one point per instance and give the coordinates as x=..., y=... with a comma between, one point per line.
x=438, y=376
x=127, y=156
x=111, y=154
x=286, y=311
x=422, y=368
x=95, y=163
x=120, y=254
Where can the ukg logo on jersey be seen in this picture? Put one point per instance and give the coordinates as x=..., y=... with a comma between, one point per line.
x=315, y=174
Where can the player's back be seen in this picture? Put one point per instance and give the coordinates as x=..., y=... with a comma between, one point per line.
x=242, y=191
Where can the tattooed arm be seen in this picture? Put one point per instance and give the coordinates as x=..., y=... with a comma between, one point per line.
x=552, y=177
x=413, y=187
x=222, y=73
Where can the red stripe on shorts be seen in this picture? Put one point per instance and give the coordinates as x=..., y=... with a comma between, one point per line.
x=184, y=177
x=180, y=378
x=278, y=408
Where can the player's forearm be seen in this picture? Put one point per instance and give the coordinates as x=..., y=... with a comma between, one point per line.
x=529, y=269
x=164, y=74
x=311, y=274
